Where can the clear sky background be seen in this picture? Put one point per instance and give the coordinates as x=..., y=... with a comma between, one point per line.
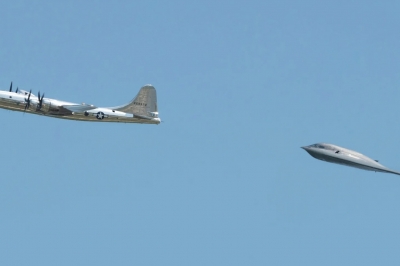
x=241, y=86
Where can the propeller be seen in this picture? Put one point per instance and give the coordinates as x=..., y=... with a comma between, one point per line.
x=16, y=90
x=39, y=106
x=28, y=101
x=11, y=87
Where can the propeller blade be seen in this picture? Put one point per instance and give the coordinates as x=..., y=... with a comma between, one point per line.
x=11, y=87
x=28, y=101
x=40, y=104
x=16, y=90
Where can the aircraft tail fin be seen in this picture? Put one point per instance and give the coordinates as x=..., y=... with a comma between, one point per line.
x=144, y=104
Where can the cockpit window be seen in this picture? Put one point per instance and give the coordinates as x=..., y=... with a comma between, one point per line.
x=324, y=146
x=329, y=147
x=318, y=146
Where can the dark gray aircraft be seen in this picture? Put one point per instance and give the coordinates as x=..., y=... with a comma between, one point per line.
x=335, y=154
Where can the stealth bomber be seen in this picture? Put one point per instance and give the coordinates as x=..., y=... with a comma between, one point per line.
x=335, y=154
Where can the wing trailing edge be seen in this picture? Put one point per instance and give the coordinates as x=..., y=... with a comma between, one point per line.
x=79, y=108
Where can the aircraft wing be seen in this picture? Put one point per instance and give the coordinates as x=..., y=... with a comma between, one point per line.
x=79, y=108
x=391, y=171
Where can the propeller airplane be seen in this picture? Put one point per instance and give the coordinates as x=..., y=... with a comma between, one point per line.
x=142, y=109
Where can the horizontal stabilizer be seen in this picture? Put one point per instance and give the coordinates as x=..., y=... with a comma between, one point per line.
x=142, y=117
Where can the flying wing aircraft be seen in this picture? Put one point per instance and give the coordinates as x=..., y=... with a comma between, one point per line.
x=335, y=154
x=142, y=109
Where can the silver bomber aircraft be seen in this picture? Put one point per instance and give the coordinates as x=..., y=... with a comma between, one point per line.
x=335, y=154
x=142, y=109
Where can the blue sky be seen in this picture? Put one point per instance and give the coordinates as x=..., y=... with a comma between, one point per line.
x=241, y=87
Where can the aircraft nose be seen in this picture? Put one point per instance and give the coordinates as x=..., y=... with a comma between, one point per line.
x=305, y=148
